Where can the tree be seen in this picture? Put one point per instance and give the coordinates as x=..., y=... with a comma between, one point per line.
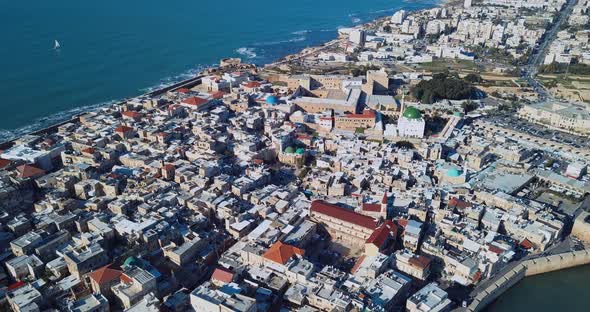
x=442, y=86
x=469, y=106
x=473, y=78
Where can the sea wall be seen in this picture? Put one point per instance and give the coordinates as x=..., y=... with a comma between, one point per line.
x=494, y=290
x=523, y=269
x=52, y=128
x=557, y=262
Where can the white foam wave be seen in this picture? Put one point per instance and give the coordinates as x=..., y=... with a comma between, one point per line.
x=296, y=39
x=247, y=52
x=356, y=20
x=40, y=123
x=168, y=81
x=383, y=11
x=301, y=32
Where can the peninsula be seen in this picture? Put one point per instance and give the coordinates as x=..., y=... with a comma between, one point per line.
x=426, y=161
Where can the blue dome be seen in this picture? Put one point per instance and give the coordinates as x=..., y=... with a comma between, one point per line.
x=272, y=100
x=454, y=172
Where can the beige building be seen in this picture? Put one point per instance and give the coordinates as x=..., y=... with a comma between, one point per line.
x=346, y=101
x=366, y=120
x=569, y=117
x=581, y=227
x=343, y=224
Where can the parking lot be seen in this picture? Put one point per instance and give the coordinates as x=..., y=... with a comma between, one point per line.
x=514, y=123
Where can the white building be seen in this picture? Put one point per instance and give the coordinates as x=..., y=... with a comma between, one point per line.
x=399, y=17
x=429, y=298
x=358, y=36
x=411, y=124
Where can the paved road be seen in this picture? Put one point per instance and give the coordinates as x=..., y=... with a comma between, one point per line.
x=538, y=55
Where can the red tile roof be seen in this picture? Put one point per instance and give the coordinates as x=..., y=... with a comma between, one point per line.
x=4, y=163
x=380, y=235
x=169, y=167
x=222, y=275
x=280, y=252
x=476, y=276
x=420, y=261
x=131, y=114
x=88, y=150
x=402, y=222
x=28, y=171
x=322, y=207
x=183, y=90
x=357, y=264
x=15, y=286
x=304, y=137
x=196, y=101
x=371, y=207
x=384, y=200
x=526, y=244
x=252, y=84
x=123, y=129
x=105, y=275
x=495, y=249
x=458, y=203
x=218, y=95
x=369, y=114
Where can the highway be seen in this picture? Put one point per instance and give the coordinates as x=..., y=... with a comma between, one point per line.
x=538, y=55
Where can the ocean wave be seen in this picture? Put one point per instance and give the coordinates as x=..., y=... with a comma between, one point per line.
x=44, y=122
x=170, y=80
x=247, y=52
x=383, y=11
x=356, y=20
x=301, y=32
x=269, y=43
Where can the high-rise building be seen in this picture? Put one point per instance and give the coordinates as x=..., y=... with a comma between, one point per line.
x=358, y=36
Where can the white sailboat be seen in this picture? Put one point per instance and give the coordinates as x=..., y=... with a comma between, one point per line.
x=57, y=45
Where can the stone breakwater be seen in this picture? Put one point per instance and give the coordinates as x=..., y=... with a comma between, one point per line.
x=523, y=269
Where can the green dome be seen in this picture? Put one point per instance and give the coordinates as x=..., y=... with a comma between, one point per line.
x=290, y=150
x=300, y=151
x=454, y=172
x=412, y=113
x=130, y=261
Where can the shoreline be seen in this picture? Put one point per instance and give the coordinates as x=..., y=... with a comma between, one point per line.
x=24, y=130
x=50, y=128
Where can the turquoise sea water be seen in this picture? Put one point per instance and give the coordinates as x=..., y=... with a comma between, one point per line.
x=113, y=49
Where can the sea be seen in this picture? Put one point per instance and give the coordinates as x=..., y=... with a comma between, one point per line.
x=113, y=49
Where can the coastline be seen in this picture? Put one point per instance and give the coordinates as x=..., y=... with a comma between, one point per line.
x=200, y=72
x=61, y=117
